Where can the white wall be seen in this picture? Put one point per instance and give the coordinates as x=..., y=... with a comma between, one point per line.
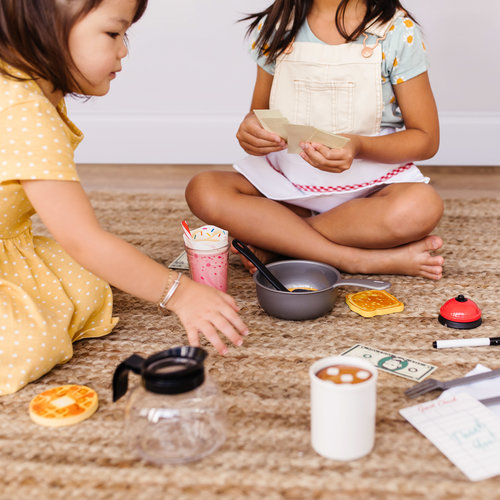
x=188, y=81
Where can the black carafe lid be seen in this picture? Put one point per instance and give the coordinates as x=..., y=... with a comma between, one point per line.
x=173, y=371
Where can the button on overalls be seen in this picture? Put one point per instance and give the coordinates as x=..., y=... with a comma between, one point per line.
x=337, y=88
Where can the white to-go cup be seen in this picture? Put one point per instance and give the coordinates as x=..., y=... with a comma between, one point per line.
x=343, y=415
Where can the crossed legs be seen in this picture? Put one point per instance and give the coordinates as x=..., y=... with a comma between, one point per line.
x=385, y=233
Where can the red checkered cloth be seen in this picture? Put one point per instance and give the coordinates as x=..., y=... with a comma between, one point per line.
x=351, y=187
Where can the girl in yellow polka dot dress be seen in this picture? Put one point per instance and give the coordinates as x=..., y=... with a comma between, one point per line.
x=55, y=291
x=356, y=68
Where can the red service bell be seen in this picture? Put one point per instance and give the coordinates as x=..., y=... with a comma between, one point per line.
x=460, y=312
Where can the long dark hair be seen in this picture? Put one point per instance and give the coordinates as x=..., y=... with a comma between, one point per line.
x=277, y=32
x=34, y=37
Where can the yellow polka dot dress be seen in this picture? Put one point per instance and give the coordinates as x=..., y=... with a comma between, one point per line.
x=47, y=300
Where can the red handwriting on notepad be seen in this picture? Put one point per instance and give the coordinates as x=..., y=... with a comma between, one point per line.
x=436, y=404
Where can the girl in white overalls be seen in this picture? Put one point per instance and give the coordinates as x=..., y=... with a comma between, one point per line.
x=365, y=208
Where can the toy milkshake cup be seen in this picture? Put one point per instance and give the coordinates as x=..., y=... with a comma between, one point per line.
x=343, y=407
x=207, y=250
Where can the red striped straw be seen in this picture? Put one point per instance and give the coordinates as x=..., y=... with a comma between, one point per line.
x=187, y=232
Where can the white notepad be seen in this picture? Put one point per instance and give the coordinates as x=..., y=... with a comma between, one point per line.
x=464, y=430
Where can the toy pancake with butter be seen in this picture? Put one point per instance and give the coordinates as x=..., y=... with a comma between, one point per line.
x=63, y=405
x=370, y=303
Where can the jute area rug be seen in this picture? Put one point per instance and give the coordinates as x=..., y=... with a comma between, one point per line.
x=265, y=382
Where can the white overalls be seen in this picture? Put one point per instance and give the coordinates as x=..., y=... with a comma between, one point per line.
x=337, y=88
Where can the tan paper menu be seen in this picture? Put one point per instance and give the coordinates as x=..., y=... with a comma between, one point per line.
x=273, y=121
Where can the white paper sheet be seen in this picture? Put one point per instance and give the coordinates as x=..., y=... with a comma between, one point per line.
x=463, y=429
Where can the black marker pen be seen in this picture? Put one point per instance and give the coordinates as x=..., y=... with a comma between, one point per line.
x=439, y=344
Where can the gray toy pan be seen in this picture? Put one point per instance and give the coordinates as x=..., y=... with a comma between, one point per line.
x=305, y=274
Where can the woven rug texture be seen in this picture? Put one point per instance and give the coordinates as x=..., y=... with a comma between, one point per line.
x=267, y=454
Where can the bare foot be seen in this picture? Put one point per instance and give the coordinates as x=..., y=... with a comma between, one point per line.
x=413, y=259
x=263, y=255
x=423, y=262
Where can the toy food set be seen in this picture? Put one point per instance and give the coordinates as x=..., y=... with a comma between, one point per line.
x=176, y=414
x=63, y=405
x=369, y=303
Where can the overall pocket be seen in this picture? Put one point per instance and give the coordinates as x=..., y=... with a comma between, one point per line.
x=324, y=105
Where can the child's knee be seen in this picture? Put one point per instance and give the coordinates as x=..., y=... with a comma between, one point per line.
x=201, y=194
x=430, y=206
x=417, y=214
x=195, y=189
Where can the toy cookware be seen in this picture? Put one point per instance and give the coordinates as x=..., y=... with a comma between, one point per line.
x=320, y=280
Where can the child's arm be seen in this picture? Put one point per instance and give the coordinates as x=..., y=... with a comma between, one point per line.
x=419, y=141
x=65, y=209
x=251, y=136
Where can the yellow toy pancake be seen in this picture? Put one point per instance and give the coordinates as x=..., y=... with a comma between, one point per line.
x=373, y=303
x=63, y=405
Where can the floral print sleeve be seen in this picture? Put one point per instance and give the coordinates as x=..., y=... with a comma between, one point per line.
x=255, y=54
x=403, y=52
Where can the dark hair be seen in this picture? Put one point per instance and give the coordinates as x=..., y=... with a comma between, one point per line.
x=283, y=19
x=34, y=37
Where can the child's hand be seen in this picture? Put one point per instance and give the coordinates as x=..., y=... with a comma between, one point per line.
x=330, y=160
x=205, y=310
x=257, y=141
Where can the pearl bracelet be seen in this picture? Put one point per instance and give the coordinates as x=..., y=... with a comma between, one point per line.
x=162, y=305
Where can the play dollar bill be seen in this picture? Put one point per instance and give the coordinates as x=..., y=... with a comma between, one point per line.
x=180, y=262
x=391, y=363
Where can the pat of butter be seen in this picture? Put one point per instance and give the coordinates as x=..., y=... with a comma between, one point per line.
x=63, y=402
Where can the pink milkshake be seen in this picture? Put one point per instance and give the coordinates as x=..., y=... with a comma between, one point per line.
x=208, y=254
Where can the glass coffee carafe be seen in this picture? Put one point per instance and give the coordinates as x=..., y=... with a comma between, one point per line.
x=176, y=414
